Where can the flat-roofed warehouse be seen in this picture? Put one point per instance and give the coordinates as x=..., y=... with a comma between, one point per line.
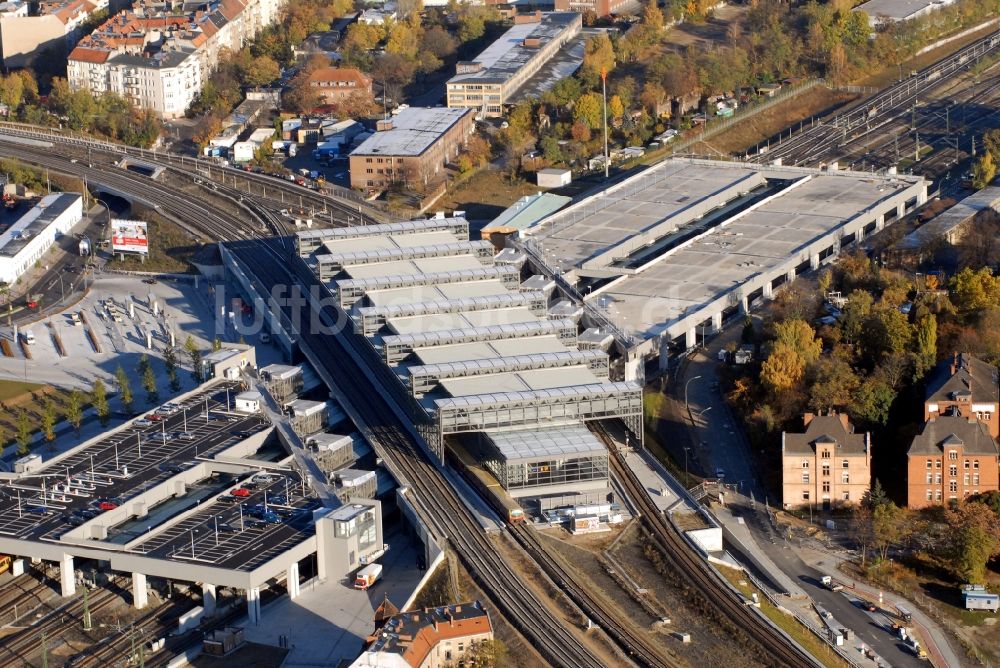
x=472, y=347
x=676, y=249
x=535, y=41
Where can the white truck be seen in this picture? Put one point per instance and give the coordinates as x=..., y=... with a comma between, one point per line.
x=368, y=576
x=831, y=584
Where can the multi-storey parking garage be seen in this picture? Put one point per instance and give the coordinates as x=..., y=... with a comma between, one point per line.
x=669, y=253
x=194, y=491
x=475, y=348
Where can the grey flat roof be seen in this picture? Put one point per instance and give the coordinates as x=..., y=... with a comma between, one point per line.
x=519, y=381
x=945, y=223
x=280, y=370
x=426, y=265
x=378, y=242
x=802, y=207
x=348, y=512
x=428, y=293
x=547, y=442
x=433, y=322
x=34, y=222
x=898, y=9
x=505, y=57
x=398, y=228
x=561, y=65
x=461, y=352
x=414, y=130
x=528, y=210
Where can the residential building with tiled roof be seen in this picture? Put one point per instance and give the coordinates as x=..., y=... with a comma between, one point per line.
x=335, y=84
x=828, y=465
x=953, y=457
x=158, y=55
x=428, y=638
x=52, y=28
x=967, y=384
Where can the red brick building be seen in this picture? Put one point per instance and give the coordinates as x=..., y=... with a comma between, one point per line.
x=336, y=84
x=600, y=7
x=952, y=458
x=968, y=386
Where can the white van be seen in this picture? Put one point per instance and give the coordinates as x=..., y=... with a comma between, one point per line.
x=29, y=337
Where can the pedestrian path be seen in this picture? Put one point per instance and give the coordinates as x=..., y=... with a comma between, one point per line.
x=745, y=542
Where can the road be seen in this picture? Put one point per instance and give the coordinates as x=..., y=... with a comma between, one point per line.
x=721, y=443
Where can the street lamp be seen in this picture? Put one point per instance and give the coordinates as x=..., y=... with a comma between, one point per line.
x=686, y=449
x=686, y=407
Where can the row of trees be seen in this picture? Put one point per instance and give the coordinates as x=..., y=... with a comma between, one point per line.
x=962, y=537
x=108, y=115
x=78, y=401
x=985, y=168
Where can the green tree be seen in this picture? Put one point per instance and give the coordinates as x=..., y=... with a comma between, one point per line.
x=973, y=539
x=886, y=332
x=799, y=336
x=890, y=524
x=598, y=55
x=871, y=401
x=49, y=420
x=99, y=397
x=652, y=19
x=471, y=25
x=149, y=384
x=834, y=384
x=983, y=171
x=23, y=427
x=196, y=371
x=616, y=109
x=74, y=409
x=925, y=340
x=588, y=110
x=124, y=389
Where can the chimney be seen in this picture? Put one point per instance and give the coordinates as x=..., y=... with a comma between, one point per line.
x=807, y=418
x=844, y=420
x=383, y=125
x=954, y=363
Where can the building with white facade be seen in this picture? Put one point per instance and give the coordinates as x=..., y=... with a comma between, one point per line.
x=158, y=57
x=27, y=240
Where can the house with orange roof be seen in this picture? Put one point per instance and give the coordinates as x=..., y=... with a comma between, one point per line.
x=429, y=638
x=52, y=29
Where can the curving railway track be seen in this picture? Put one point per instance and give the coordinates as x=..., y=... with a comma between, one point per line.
x=695, y=570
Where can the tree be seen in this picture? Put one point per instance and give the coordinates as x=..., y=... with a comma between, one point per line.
x=100, y=400
x=588, y=110
x=12, y=90
x=890, y=526
x=124, y=389
x=74, y=409
x=23, y=427
x=974, y=290
x=783, y=368
x=973, y=539
x=984, y=171
x=438, y=41
x=652, y=19
x=871, y=401
x=471, y=24
x=887, y=331
x=834, y=384
x=925, y=340
x=196, y=371
x=261, y=71
x=799, y=336
x=407, y=8
x=149, y=384
x=862, y=530
x=403, y=40
x=599, y=55
x=616, y=109
x=49, y=420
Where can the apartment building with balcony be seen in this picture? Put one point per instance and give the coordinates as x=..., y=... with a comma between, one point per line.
x=157, y=55
x=828, y=466
x=490, y=81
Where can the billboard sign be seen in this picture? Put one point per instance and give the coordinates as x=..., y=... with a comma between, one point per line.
x=129, y=236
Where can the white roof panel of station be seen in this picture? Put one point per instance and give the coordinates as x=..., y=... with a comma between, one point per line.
x=385, y=241
x=428, y=265
x=436, y=322
x=479, y=350
x=521, y=381
x=428, y=293
x=546, y=442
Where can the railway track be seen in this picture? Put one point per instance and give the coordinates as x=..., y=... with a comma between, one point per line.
x=18, y=648
x=695, y=570
x=871, y=114
x=116, y=650
x=437, y=500
x=348, y=203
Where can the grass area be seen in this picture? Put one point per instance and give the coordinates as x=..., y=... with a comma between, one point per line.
x=785, y=622
x=484, y=195
x=437, y=591
x=11, y=389
x=653, y=405
x=170, y=248
x=16, y=396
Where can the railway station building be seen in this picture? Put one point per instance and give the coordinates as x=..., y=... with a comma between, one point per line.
x=475, y=352
x=664, y=257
